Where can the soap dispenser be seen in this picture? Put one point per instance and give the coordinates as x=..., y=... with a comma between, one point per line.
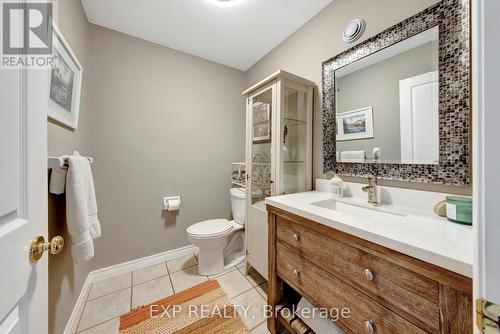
x=337, y=185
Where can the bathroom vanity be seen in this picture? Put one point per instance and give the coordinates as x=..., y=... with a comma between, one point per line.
x=396, y=270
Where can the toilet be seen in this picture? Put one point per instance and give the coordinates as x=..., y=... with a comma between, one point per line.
x=221, y=242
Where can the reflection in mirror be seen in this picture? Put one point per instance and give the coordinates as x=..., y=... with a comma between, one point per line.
x=261, y=146
x=387, y=104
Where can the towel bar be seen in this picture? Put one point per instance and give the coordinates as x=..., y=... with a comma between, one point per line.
x=55, y=162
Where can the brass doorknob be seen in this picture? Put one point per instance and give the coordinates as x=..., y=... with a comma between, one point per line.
x=39, y=246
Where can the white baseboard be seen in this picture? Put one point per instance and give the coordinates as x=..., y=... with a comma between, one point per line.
x=119, y=269
x=78, y=308
x=125, y=267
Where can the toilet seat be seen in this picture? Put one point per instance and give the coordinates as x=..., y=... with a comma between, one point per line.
x=210, y=229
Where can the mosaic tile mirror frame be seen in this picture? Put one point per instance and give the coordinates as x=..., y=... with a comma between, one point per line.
x=452, y=17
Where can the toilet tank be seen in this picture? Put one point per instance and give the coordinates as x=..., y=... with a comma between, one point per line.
x=238, y=204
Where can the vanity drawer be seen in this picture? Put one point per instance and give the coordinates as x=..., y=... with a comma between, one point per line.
x=411, y=295
x=324, y=289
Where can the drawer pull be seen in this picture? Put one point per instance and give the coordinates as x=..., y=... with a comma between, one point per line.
x=296, y=272
x=368, y=274
x=296, y=236
x=369, y=327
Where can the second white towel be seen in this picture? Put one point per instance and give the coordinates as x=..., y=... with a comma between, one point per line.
x=318, y=324
x=57, y=181
x=352, y=156
x=81, y=208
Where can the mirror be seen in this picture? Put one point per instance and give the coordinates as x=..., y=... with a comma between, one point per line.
x=387, y=104
x=389, y=112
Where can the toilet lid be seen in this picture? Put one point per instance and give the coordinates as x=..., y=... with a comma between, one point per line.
x=210, y=228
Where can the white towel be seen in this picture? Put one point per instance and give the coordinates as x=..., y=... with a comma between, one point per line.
x=313, y=319
x=352, y=156
x=81, y=208
x=57, y=181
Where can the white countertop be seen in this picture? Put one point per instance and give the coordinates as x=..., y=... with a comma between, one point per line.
x=420, y=234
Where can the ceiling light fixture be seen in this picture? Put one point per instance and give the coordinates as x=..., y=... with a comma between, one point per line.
x=224, y=3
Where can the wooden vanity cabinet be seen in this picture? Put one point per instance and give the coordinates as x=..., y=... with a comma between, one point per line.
x=385, y=291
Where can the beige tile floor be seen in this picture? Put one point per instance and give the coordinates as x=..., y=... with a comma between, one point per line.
x=110, y=298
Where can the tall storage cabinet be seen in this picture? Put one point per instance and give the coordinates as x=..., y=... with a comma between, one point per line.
x=278, y=152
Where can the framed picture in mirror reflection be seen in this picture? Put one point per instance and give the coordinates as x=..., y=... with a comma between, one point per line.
x=355, y=124
x=261, y=123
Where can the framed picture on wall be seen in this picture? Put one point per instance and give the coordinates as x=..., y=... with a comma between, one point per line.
x=355, y=124
x=261, y=123
x=65, y=83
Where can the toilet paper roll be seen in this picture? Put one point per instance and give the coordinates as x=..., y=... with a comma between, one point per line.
x=173, y=204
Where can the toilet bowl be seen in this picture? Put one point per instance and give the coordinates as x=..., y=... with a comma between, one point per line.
x=221, y=241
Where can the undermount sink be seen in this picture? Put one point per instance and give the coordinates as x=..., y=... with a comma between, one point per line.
x=365, y=211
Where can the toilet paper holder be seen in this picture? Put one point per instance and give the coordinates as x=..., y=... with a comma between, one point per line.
x=171, y=203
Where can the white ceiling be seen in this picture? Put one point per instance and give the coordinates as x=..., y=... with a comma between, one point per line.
x=237, y=35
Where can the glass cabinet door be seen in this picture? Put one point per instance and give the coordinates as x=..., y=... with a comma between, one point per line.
x=261, y=146
x=294, y=155
x=278, y=152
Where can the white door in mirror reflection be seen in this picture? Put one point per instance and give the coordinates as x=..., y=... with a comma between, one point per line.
x=419, y=119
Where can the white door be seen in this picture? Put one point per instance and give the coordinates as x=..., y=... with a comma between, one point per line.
x=486, y=161
x=23, y=200
x=419, y=118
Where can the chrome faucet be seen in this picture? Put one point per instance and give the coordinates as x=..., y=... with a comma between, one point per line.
x=371, y=189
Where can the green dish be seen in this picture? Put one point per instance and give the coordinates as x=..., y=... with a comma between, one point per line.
x=459, y=209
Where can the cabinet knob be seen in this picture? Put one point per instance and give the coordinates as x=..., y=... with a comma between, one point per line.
x=296, y=236
x=296, y=272
x=368, y=274
x=369, y=327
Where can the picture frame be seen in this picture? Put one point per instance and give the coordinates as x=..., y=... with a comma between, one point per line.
x=65, y=83
x=261, y=132
x=355, y=124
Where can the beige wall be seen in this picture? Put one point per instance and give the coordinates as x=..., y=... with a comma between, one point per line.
x=65, y=278
x=158, y=122
x=164, y=123
x=320, y=39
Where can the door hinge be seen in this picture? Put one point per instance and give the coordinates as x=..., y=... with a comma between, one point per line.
x=487, y=316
